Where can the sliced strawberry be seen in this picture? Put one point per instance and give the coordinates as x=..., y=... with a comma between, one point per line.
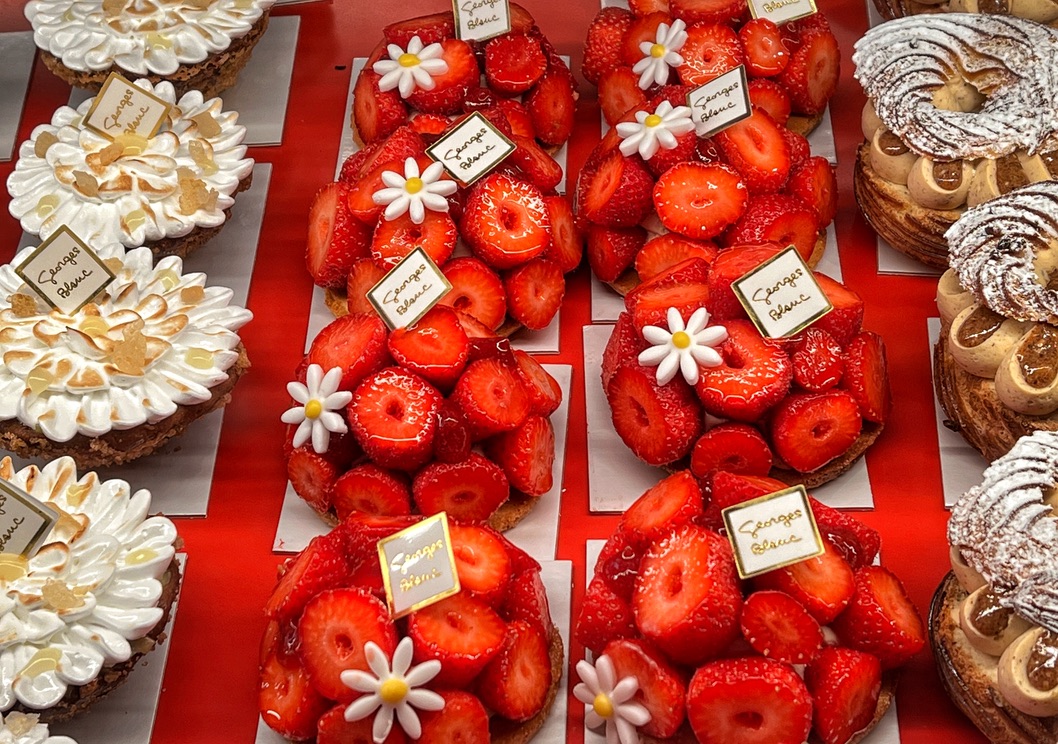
x=470, y=490
x=288, y=702
x=811, y=429
x=642, y=29
x=687, y=596
x=518, y=118
x=430, y=29
x=756, y=149
x=482, y=564
x=700, y=200
x=604, y=616
x=495, y=116
x=799, y=148
x=542, y=170
x=711, y=50
x=516, y=682
x=611, y=250
x=394, y=239
x=551, y=106
x=462, y=720
x=662, y=252
x=857, y=543
x=772, y=97
x=619, y=92
x=734, y=447
x=566, y=248
x=748, y=701
x=461, y=632
x=668, y=504
x=643, y=7
x=534, y=293
x=659, y=424
x=602, y=48
x=514, y=63
x=376, y=113
x=363, y=275
x=359, y=533
x=370, y=489
x=430, y=126
x=319, y=566
x=452, y=442
x=818, y=361
x=618, y=561
x=867, y=376
x=336, y=239
x=353, y=164
x=794, y=32
x=777, y=626
x=312, y=476
x=731, y=265
x=683, y=287
x=520, y=560
x=492, y=398
x=476, y=290
x=880, y=619
x=404, y=143
x=505, y=221
x=728, y=489
x=685, y=150
x=522, y=21
x=332, y=631
x=545, y=394
x=450, y=87
x=845, y=686
x=824, y=585
x=755, y=375
x=342, y=449
x=526, y=600
x=766, y=54
x=527, y=455
x=661, y=685
x=334, y=729
x=777, y=218
x=812, y=75
x=846, y=319
x=622, y=349
x=619, y=192
x=814, y=183
x=393, y=416
x=435, y=348
x=477, y=331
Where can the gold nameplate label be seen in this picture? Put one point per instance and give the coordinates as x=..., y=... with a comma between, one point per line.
x=477, y=20
x=772, y=531
x=24, y=522
x=472, y=149
x=123, y=108
x=782, y=295
x=781, y=11
x=418, y=566
x=409, y=290
x=720, y=103
x=65, y=272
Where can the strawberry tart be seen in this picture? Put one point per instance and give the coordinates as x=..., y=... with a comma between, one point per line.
x=689, y=378
x=422, y=419
x=118, y=378
x=684, y=656
x=481, y=665
x=25, y=728
x=194, y=44
x=995, y=370
x=939, y=141
x=82, y=611
x=423, y=76
x=504, y=243
x=172, y=192
x=1041, y=11
x=633, y=54
x=994, y=621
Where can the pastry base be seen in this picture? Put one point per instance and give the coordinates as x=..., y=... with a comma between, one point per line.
x=975, y=411
x=118, y=447
x=803, y=124
x=504, y=731
x=908, y=227
x=198, y=237
x=212, y=75
x=969, y=676
x=78, y=699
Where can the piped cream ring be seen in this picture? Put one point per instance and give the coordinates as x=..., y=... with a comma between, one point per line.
x=969, y=578
x=1041, y=11
x=993, y=645
x=984, y=359
x=893, y=168
x=1014, y=390
x=925, y=190
x=952, y=297
x=869, y=121
x=1014, y=682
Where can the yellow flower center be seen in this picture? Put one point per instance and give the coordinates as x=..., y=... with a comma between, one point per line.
x=393, y=690
x=652, y=121
x=681, y=340
x=657, y=51
x=407, y=60
x=413, y=185
x=603, y=705
x=313, y=409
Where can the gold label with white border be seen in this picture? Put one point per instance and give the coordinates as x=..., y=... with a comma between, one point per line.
x=781, y=11
x=409, y=290
x=418, y=566
x=123, y=108
x=782, y=296
x=478, y=20
x=65, y=272
x=720, y=103
x=25, y=522
x=472, y=149
x=775, y=530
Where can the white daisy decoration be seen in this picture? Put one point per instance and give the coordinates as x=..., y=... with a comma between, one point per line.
x=412, y=68
x=413, y=192
x=662, y=55
x=651, y=132
x=319, y=398
x=391, y=690
x=608, y=701
x=683, y=348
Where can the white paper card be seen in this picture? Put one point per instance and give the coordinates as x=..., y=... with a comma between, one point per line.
x=781, y=295
x=472, y=149
x=18, y=51
x=892, y=261
x=477, y=20
x=720, y=103
x=781, y=11
x=123, y=108
x=418, y=566
x=24, y=521
x=772, y=531
x=830, y=263
x=409, y=290
x=821, y=139
x=65, y=272
x=606, y=304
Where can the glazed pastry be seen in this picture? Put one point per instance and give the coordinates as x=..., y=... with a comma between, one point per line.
x=1041, y=11
x=194, y=44
x=172, y=192
x=938, y=143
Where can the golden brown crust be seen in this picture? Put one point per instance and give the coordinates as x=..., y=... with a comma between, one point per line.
x=216, y=73
x=503, y=731
x=975, y=411
x=908, y=227
x=184, y=246
x=969, y=676
x=118, y=447
x=803, y=124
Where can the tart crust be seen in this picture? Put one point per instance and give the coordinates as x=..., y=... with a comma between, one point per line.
x=503, y=731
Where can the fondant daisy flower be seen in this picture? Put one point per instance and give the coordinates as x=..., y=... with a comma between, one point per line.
x=661, y=55
x=409, y=69
x=608, y=701
x=683, y=348
x=650, y=132
x=391, y=690
x=414, y=193
x=319, y=398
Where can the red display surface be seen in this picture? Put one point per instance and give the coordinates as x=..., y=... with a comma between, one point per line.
x=209, y=694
